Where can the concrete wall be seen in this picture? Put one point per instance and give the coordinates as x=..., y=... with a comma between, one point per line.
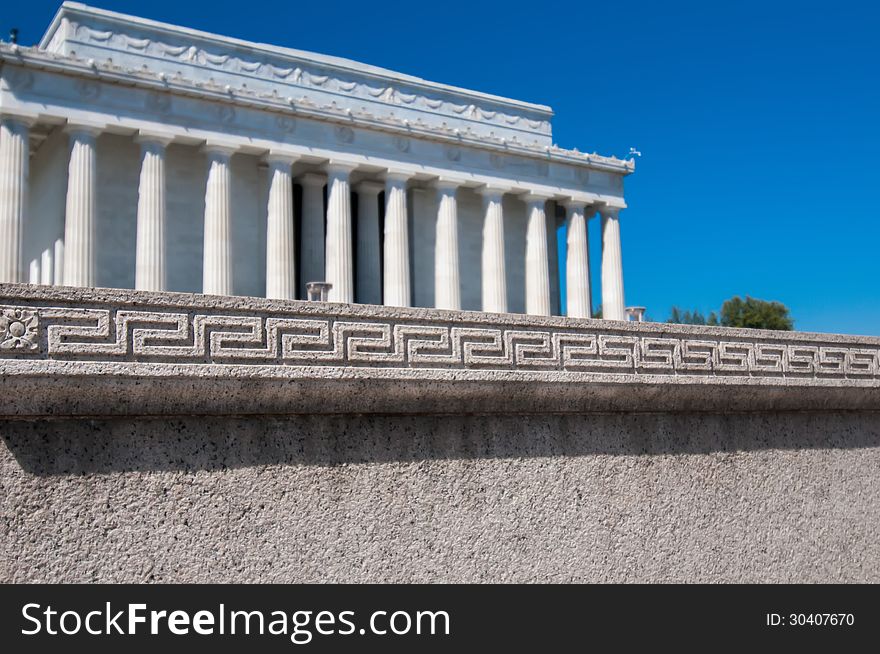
x=759, y=497
x=171, y=437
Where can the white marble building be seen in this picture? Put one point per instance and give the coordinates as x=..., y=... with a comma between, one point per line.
x=136, y=154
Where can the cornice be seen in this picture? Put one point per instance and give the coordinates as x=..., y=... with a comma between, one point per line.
x=263, y=52
x=109, y=72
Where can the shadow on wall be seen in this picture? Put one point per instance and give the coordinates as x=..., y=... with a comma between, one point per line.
x=48, y=447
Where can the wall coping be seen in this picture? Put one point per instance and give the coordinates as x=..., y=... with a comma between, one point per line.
x=88, y=351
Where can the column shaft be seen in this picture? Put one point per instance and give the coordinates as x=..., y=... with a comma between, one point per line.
x=280, y=245
x=339, y=259
x=577, y=264
x=150, y=257
x=613, y=307
x=537, y=261
x=447, y=281
x=47, y=268
x=14, y=156
x=217, y=255
x=58, y=273
x=311, y=232
x=494, y=275
x=79, y=218
x=396, y=283
x=369, y=275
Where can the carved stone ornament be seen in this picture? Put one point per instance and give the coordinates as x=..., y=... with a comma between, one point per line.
x=344, y=134
x=19, y=79
x=88, y=89
x=160, y=102
x=285, y=123
x=225, y=113
x=18, y=330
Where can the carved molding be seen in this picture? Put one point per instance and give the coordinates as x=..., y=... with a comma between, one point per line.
x=288, y=338
x=108, y=71
x=298, y=74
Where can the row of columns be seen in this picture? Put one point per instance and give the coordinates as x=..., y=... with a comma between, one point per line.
x=335, y=263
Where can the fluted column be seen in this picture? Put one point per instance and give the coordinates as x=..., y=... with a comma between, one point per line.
x=447, y=281
x=280, y=245
x=369, y=276
x=14, y=156
x=58, y=272
x=339, y=258
x=311, y=231
x=217, y=255
x=577, y=262
x=613, y=307
x=396, y=290
x=150, y=251
x=47, y=267
x=494, y=275
x=80, y=213
x=537, y=261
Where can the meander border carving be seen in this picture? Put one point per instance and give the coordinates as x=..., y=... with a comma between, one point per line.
x=179, y=334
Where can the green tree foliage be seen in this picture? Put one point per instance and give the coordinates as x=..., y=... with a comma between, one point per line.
x=692, y=318
x=750, y=313
x=755, y=314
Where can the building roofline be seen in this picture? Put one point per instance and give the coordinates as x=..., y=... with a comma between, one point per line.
x=77, y=8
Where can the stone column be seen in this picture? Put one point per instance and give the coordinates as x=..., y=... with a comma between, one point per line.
x=217, y=255
x=537, y=261
x=311, y=231
x=494, y=276
x=577, y=262
x=14, y=157
x=339, y=258
x=47, y=267
x=447, y=282
x=150, y=257
x=369, y=275
x=58, y=273
x=280, y=245
x=80, y=214
x=396, y=290
x=612, y=266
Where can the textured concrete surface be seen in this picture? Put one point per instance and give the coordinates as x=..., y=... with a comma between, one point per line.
x=602, y=497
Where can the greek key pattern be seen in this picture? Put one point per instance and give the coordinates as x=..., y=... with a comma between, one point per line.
x=72, y=333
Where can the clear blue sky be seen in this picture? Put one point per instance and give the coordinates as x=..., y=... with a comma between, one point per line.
x=759, y=122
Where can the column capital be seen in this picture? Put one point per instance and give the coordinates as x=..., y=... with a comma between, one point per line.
x=339, y=168
x=446, y=185
x=84, y=129
x=574, y=204
x=152, y=138
x=490, y=192
x=219, y=149
x=312, y=179
x=607, y=211
x=371, y=187
x=18, y=118
x=280, y=159
x=397, y=177
x=534, y=197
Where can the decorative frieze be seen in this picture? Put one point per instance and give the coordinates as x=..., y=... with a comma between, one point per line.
x=132, y=42
x=301, y=334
